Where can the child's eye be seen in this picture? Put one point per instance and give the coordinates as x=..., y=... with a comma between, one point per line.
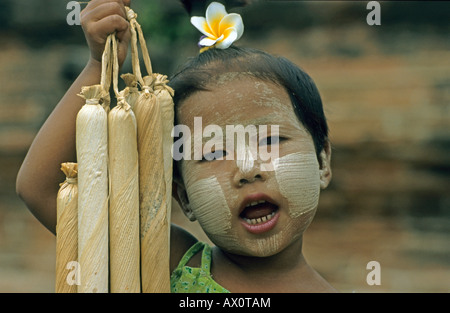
x=271, y=140
x=216, y=155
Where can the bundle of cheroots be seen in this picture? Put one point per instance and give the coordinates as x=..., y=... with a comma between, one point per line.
x=124, y=178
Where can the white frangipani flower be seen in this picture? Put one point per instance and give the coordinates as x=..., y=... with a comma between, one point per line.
x=220, y=29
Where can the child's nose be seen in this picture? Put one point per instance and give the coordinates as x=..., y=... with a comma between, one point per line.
x=248, y=169
x=247, y=179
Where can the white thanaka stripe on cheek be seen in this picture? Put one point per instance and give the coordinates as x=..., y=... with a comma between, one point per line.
x=298, y=178
x=209, y=205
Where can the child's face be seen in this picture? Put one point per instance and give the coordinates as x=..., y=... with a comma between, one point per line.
x=219, y=190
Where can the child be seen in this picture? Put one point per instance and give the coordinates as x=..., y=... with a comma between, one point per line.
x=254, y=215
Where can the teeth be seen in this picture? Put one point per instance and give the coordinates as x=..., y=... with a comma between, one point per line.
x=255, y=203
x=254, y=221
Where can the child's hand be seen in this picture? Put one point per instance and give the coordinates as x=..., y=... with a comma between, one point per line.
x=101, y=18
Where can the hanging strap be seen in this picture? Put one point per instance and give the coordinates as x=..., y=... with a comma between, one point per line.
x=110, y=71
x=138, y=36
x=105, y=80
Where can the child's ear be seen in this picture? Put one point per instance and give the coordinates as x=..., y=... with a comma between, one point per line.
x=325, y=165
x=180, y=195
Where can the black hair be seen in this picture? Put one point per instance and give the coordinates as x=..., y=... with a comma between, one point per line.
x=199, y=72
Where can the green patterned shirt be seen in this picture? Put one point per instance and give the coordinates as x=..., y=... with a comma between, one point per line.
x=186, y=279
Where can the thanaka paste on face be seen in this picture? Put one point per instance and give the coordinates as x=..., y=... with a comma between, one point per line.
x=245, y=159
x=298, y=178
x=231, y=84
x=210, y=208
x=213, y=197
x=209, y=205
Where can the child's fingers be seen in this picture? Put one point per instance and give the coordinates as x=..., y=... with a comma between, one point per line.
x=123, y=35
x=108, y=25
x=95, y=3
x=101, y=18
x=101, y=11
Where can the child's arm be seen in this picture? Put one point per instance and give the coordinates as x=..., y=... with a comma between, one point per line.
x=40, y=175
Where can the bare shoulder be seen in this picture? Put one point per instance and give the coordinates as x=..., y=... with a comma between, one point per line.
x=180, y=241
x=321, y=285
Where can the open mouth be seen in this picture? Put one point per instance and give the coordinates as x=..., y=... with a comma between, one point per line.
x=258, y=212
x=259, y=216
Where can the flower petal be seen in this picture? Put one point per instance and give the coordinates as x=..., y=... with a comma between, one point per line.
x=214, y=14
x=232, y=20
x=200, y=23
x=230, y=36
x=208, y=42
